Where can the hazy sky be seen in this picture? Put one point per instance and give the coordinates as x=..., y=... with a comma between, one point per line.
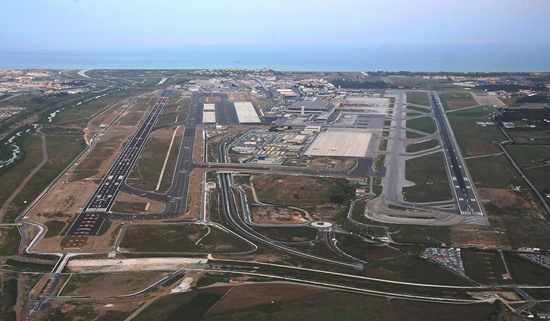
x=120, y=24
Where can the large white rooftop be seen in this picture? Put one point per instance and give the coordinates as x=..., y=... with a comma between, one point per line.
x=209, y=107
x=246, y=112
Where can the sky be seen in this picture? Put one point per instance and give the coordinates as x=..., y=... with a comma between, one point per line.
x=111, y=25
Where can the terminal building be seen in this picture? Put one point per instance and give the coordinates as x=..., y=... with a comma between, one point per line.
x=308, y=107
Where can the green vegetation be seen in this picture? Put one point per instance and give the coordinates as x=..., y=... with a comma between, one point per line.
x=411, y=268
x=320, y=196
x=29, y=267
x=288, y=233
x=129, y=207
x=9, y=241
x=112, y=283
x=54, y=228
x=423, y=124
x=401, y=233
x=456, y=100
x=418, y=98
x=9, y=299
x=192, y=305
x=493, y=172
x=63, y=145
x=146, y=172
x=483, y=266
x=412, y=135
x=430, y=176
x=367, y=251
x=473, y=139
x=476, y=112
x=182, y=238
x=535, y=163
x=336, y=305
x=78, y=311
x=429, y=144
x=32, y=155
x=81, y=114
x=525, y=272
x=420, y=109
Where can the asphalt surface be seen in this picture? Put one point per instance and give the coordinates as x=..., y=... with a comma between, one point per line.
x=462, y=187
x=105, y=194
x=104, y=197
x=234, y=220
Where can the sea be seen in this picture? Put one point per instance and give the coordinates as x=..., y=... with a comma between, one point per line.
x=453, y=58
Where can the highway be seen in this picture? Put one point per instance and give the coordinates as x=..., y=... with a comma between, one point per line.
x=234, y=220
x=463, y=190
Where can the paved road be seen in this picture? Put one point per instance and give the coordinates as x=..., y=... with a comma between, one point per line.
x=234, y=220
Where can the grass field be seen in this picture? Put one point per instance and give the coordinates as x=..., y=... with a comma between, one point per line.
x=475, y=140
x=412, y=135
x=422, y=146
x=359, y=248
x=80, y=115
x=525, y=272
x=476, y=112
x=129, y=207
x=531, y=136
x=172, y=307
x=9, y=241
x=420, y=109
x=32, y=156
x=483, y=266
x=456, y=100
x=322, y=196
x=430, y=176
x=423, y=124
x=54, y=228
x=417, y=97
x=146, y=172
x=288, y=233
x=182, y=238
x=428, y=235
x=493, y=172
x=534, y=160
x=335, y=305
x=63, y=145
x=412, y=268
x=114, y=283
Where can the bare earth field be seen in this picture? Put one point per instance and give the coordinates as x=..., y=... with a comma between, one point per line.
x=277, y=215
x=335, y=305
x=237, y=97
x=255, y=294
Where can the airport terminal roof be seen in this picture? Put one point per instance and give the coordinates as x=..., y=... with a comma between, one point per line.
x=311, y=106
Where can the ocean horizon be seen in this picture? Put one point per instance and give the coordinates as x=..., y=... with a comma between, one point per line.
x=464, y=58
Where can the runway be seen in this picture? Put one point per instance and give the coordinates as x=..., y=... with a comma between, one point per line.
x=105, y=194
x=462, y=187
